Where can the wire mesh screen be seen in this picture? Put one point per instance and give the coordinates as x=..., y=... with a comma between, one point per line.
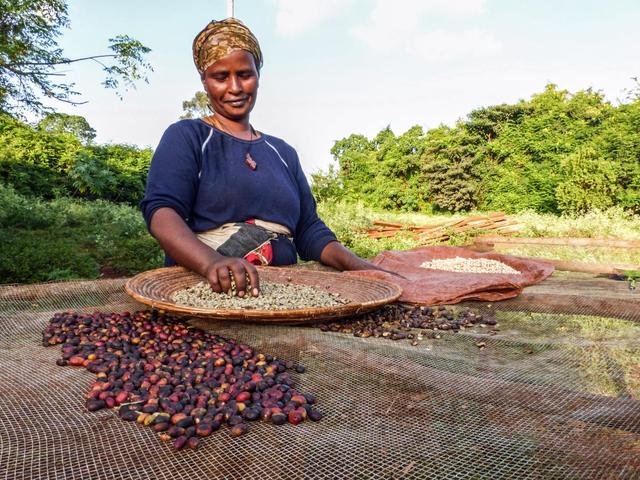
x=543, y=395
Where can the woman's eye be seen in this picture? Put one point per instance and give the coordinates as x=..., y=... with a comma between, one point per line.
x=218, y=77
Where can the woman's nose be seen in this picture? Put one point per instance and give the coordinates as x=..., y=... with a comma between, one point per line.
x=234, y=84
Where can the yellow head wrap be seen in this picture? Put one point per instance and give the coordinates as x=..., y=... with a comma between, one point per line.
x=219, y=38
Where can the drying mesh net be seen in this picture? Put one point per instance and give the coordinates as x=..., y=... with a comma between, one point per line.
x=549, y=396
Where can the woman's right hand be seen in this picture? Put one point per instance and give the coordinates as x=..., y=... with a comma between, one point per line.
x=181, y=244
x=220, y=272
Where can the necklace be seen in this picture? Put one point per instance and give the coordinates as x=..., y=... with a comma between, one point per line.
x=248, y=160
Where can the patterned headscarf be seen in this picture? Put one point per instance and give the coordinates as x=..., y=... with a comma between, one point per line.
x=219, y=38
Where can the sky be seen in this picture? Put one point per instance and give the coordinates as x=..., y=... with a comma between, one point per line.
x=337, y=67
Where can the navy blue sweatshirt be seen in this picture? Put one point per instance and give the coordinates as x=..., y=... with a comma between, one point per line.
x=200, y=172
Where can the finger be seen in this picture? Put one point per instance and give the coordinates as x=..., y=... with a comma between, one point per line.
x=254, y=278
x=395, y=273
x=224, y=278
x=239, y=274
x=212, y=278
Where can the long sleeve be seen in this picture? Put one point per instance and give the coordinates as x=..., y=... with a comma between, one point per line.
x=173, y=176
x=311, y=235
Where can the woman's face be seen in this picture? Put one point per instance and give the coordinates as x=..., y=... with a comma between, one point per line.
x=232, y=85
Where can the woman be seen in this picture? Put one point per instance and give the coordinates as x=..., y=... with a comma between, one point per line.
x=222, y=196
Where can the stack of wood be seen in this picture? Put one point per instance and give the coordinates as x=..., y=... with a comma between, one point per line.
x=441, y=232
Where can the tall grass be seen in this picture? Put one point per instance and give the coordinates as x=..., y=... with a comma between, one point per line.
x=350, y=222
x=68, y=239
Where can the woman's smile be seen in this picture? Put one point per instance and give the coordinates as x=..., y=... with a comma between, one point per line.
x=231, y=84
x=239, y=102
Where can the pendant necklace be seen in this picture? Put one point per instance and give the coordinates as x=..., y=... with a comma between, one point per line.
x=248, y=160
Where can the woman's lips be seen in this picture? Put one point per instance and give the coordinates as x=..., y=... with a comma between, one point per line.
x=238, y=102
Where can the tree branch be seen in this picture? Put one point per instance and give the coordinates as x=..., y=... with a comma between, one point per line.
x=59, y=62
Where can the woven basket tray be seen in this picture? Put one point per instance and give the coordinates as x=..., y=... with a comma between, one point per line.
x=155, y=288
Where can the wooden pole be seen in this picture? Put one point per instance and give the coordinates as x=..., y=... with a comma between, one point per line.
x=229, y=8
x=568, y=241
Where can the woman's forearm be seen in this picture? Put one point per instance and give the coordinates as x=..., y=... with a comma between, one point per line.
x=180, y=243
x=341, y=258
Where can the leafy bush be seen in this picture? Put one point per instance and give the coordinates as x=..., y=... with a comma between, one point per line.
x=327, y=186
x=90, y=177
x=530, y=155
x=450, y=165
x=57, y=159
x=66, y=238
x=39, y=255
x=590, y=183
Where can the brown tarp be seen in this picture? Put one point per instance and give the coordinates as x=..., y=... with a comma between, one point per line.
x=432, y=287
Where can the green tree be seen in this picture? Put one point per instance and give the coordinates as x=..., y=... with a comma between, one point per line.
x=30, y=57
x=486, y=121
x=590, y=182
x=34, y=161
x=73, y=124
x=524, y=163
x=353, y=155
x=327, y=186
x=51, y=163
x=558, y=152
x=450, y=164
x=197, y=107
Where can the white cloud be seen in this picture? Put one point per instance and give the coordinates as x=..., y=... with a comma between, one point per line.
x=297, y=16
x=443, y=45
x=394, y=26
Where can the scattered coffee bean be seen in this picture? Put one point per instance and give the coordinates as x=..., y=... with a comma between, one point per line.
x=181, y=381
x=395, y=322
x=239, y=429
x=279, y=418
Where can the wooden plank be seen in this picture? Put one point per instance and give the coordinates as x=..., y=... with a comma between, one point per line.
x=488, y=220
x=383, y=229
x=585, y=267
x=566, y=241
x=440, y=225
x=383, y=234
x=388, y=224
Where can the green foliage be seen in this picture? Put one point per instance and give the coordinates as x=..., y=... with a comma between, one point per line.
x=449, y=163
x=73, y=124
x=197, y=107
x=557, y=152
x=30, y=56
x=129, y=64
x=326, y=186
x=590, y=182
x=384, y=172
x=90, y=177
x=51, y=161
x=349, y=221
x=65, y=238
x=529, y=157
x=33, y=160
x=25, y=258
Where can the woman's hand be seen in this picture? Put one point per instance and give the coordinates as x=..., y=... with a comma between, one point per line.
x=222, y=270
x=181, y=244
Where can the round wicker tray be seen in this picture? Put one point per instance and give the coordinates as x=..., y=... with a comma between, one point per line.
x=155, y=288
